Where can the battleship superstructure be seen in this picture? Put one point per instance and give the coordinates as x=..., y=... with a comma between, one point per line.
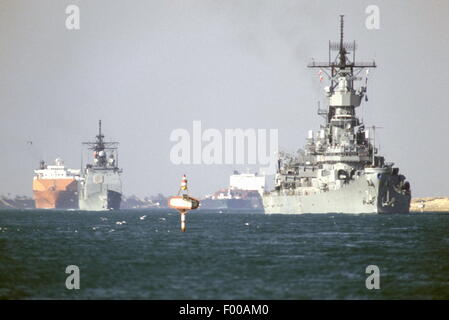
x=100, y=187
x=339, y=169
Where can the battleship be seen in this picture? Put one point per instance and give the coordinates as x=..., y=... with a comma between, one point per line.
x=100, y=187
x=339, y=170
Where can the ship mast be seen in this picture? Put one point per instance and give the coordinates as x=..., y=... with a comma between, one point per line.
x=342, y=96
x=344, y=66
x=100, y=146
x=342, y=53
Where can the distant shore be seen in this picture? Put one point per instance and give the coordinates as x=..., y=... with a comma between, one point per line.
x=430, y=204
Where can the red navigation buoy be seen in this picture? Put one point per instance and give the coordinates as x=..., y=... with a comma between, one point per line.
x=183, y=203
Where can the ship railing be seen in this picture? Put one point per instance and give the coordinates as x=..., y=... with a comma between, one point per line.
x=344, y=154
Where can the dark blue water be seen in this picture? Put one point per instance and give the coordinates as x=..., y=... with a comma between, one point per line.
x=222, y=255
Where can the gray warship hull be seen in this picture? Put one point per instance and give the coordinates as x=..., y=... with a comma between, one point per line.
x=339, y=170
x=100, y=187
x=365, y=194
x=101, y=190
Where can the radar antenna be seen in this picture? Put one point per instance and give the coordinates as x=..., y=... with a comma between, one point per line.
x=100, y=147
x=341, y=64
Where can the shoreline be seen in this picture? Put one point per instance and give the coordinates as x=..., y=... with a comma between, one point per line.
x=430, y=204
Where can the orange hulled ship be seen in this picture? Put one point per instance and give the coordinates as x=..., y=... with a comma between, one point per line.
x=55, y=187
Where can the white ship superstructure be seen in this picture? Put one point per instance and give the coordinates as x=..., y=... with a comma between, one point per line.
x=247, y=181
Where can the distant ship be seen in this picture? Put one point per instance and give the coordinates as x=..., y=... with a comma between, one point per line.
x=244, y=192
x=55, y=186
x=340, y=170
x=100, y=187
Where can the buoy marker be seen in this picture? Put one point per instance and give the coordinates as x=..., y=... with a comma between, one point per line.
x=183, y=203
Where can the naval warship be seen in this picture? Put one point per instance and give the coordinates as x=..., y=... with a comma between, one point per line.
x=100, y=187
x=339, y=170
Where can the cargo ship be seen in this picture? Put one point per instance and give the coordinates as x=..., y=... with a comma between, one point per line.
x=244, y=192
x=55, y=186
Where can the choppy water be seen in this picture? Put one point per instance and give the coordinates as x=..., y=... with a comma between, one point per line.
x=222, y=255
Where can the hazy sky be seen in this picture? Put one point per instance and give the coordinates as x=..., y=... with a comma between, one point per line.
x=148, y=67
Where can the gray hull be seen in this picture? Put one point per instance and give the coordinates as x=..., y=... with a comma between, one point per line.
x=100, y=190
x=368, y=193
